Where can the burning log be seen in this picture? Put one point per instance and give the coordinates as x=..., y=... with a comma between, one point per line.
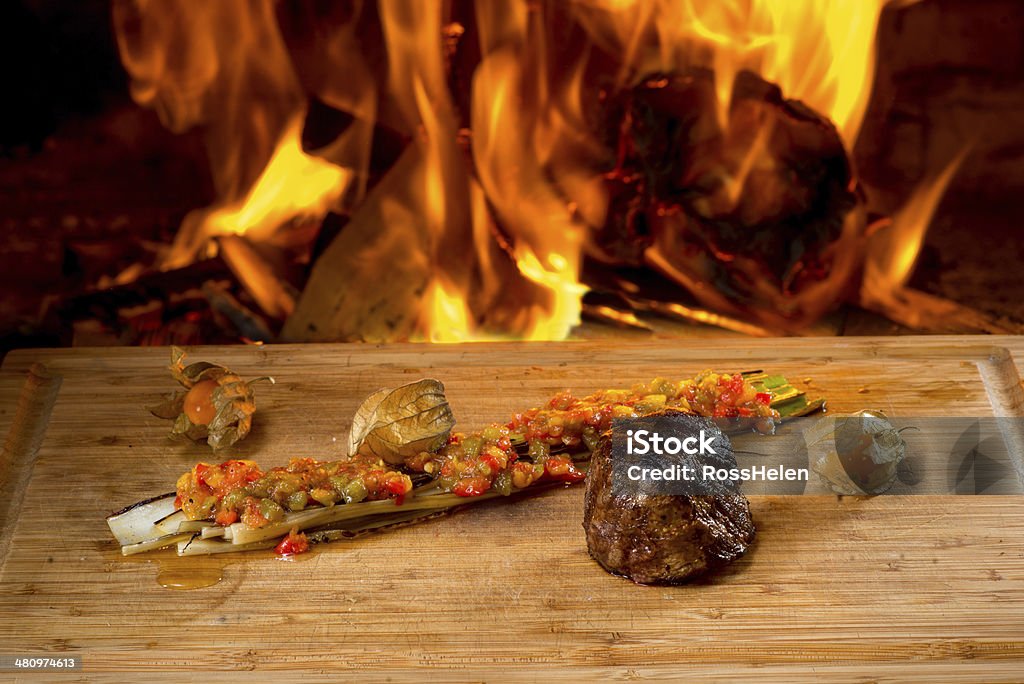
x=239, y=317
x=377, y=280
x=257, y=276
x=922, y=311
x=189, y=305
x=337, y=303
x=756, y=215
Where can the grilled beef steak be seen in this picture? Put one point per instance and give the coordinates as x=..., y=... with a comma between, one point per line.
x=654, y=539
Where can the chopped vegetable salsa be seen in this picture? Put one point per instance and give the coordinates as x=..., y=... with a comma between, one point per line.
x=468, y=464
x=239, y=490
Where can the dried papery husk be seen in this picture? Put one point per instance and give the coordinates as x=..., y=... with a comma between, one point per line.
x=191, y=374
x=233, y=401
x=857, y=454
x=392, y=424
x=170, y=408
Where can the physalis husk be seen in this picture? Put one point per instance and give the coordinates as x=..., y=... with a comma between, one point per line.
x=216, y=405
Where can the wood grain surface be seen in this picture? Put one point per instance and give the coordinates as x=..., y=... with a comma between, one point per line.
x=900, y=588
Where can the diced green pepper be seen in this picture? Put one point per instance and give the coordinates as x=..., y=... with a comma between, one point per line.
x=472, y=446
x=271, y=511
x=538, y=450
x=297, y=501
x=503, y=483
x=325, y=497
x=354, y=492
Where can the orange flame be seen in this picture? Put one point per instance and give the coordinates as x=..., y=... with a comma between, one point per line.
x=224, y=66
x=293, y=184
x=893, y=251
x=448, y=318
x=538, y=295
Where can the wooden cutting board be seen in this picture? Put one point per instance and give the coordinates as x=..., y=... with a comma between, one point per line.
x=922, y=588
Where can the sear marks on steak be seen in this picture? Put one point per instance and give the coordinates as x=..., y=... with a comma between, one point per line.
x=661, y=539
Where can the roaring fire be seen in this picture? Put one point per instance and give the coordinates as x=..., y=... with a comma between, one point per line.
x=499, y=192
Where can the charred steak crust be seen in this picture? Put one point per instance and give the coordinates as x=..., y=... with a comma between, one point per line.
x=660, y=539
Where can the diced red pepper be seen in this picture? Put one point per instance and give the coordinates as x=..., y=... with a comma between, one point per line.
x=492, y=463
x=562, y=470
x=201, y=470
x=763, y=398
x=735, y=384
x=397, y=487
x=562, y=401
x=472, y=486
x=251, y=516
x=226, y=517
x=295, y=543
